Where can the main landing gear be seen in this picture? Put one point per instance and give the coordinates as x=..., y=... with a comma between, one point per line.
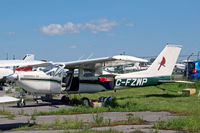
x=85, y=101
x=65, y=99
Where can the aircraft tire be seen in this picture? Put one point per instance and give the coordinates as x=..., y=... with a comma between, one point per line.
x=65, y=99
x=85, y=101
x=21, y=104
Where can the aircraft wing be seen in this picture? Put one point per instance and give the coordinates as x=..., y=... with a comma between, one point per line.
x=5, y=99
x=105, y=61
x=10, y=63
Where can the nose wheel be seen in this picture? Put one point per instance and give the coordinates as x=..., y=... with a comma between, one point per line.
x=21, y=102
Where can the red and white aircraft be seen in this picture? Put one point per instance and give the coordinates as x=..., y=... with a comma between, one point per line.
x=8, y=67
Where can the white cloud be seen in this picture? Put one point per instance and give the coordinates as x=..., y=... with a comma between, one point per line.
x=11, y=33
x=130, y=25
x=52, y=29
x=56, y=29
x=72, y=28
x=100, y=25
x=95, y=26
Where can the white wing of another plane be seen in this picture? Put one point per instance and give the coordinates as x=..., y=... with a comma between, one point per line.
x=11, y=63
x=5, y=99
x=101, y=62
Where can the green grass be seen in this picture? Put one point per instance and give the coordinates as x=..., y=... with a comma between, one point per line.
x=4, y=111
x=87, y=130
x=98, y=121
x=165, y=97
x=189, y=124
x=56, y=125
x=7, y=114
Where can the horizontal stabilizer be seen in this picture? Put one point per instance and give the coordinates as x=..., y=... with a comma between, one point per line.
x=5, y=99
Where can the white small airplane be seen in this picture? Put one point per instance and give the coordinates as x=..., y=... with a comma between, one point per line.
x=8, y=67
x=51, y=81
x=179, y=67
x=135, y=67
x=5, y=99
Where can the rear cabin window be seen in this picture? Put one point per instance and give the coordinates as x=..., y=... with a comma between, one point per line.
x=88, y=73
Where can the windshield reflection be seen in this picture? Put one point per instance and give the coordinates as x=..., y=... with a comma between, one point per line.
x=52, y=67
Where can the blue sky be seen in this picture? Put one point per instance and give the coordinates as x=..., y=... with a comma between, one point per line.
x=64, y=30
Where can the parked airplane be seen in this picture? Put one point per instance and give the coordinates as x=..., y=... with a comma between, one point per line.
x=5, y=99
x=179, y=67
x=7, y=67
x=50, y=80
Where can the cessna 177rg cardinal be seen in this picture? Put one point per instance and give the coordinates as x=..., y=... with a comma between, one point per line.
x=51, y=81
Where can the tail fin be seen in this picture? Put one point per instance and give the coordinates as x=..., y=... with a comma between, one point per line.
x=165, y=62
x=29, y=57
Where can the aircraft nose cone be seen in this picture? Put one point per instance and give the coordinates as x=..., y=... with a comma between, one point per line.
x=12, y=77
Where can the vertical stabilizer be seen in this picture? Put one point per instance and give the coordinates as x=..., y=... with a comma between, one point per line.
x=165, y=62
x=29, y=57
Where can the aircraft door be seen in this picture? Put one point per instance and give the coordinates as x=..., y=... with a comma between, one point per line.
x=75, y=84
x=67, y=80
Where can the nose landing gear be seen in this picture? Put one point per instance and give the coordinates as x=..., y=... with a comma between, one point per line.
x=21, y=102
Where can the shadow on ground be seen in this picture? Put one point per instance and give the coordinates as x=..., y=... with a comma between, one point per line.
x=164, y=95
x=5, y=127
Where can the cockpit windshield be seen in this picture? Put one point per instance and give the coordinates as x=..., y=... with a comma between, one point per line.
x=53, y=68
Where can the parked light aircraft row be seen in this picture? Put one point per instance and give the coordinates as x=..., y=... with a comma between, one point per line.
x=51, y=80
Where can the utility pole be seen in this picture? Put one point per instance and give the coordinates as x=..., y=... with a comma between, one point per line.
x=13, y=57
x=6, y=56
x=198, y=55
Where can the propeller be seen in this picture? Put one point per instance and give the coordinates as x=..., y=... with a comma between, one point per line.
x=12, y=77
